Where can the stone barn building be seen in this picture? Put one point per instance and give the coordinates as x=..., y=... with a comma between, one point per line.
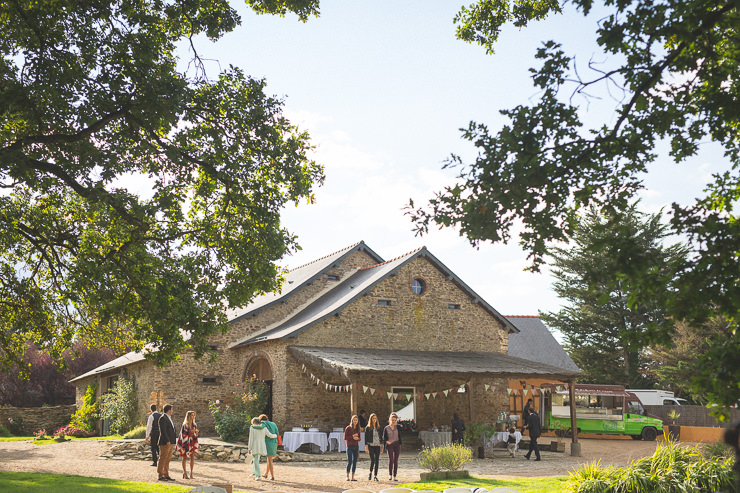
x=350, y=331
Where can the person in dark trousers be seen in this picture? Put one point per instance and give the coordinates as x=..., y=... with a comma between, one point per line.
x=152, y=432
x=458, y=429
x=533, y=425
x=528, y=409
x=392, y=444
x=363, y=419
x=373, y=444
x=167, y=440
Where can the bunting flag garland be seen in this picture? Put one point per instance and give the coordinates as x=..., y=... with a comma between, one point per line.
x=364, y=389
x=372, y=391
x=390, y=394
x=427, y=396
x=486, y=386
x=445, y=392
x=434, y=394
x=508, y=391
x=408, y=397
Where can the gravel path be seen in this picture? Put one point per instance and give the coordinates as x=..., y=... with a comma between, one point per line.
x=325, y=475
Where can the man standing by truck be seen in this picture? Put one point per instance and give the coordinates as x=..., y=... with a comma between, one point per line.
x=535, y=430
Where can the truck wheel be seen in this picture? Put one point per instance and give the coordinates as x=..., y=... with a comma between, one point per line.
x=649, y=433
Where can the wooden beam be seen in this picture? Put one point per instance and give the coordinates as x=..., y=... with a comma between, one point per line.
x=573, y=421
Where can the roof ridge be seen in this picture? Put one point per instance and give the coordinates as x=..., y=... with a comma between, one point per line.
x=392, y=260
x=325, y=256
x=522, y=316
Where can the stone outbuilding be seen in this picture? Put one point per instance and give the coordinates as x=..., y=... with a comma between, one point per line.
x=351, y=331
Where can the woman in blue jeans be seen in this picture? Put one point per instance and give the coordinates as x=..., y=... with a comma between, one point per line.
x=352, y=437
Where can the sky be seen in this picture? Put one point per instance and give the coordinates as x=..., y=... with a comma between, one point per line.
x=383, y=89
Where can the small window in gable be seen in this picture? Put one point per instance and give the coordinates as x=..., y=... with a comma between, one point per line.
x=384, y=302
x=209, y=380
x=453, y=306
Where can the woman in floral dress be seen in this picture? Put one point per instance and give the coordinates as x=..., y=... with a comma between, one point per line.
x=187, y=443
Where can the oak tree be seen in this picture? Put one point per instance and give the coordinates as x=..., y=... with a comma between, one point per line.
x=133, y=191
x=677, y=63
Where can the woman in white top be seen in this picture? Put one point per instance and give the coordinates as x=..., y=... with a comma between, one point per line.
x=257, y=447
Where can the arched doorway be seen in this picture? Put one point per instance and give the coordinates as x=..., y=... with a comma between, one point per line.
x=260, y=366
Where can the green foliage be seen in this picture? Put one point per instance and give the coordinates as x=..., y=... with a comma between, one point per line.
x=674, y=416
x=673, y=468
x=600, y=321
x=15, y=425
x=134, y=193
x=4, y=432
x=86, y=417
x=477, y=432
x=137, y=432
x=120, y=406
x=677, y=65
x=718, y=450
x=232, y=421
x=444, y=458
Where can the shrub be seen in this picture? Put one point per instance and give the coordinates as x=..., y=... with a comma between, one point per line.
x=232, y=421
x=672, y=468
x=40, y=434
x=89, y=412
x=15, y=426
x=4, y=432
x=445, y=458
x=717, y=450
x=71, y=431
x=231, y=425
x=138, y=432
x=120, y=406
x=477, y=432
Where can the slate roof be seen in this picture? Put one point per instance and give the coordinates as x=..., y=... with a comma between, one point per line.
x=298, y=277
x=333, y=301
x=343, y=361
x=120, y=362
x=535, y=342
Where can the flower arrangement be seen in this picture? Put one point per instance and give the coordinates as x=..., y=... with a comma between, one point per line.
x=40, y=434
x=407, y=425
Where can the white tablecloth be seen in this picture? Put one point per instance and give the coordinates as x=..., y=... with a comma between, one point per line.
x=435, y=438
x=294, y=439
x=503, y=436
x=336, y=441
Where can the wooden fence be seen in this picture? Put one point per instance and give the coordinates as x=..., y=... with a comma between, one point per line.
x=691, y=415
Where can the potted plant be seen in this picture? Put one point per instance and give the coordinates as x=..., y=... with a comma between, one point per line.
x=477, y=434
x=674, y=430
x=560, y=428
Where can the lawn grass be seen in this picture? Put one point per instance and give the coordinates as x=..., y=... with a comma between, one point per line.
x=47, y=442
x=29, y=482
x=523, y=485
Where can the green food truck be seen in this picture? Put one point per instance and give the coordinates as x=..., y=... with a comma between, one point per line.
x=600, y=409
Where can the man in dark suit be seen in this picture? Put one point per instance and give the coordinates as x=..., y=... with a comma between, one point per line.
x=167, y=440
x=152, y=432
x=535, y=430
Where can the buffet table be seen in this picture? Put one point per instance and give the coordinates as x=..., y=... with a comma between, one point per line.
x=294, y=439
x=435, y=438
x=337, y=443
x=503, y=436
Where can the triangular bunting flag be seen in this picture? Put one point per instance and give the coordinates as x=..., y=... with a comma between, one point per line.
x=434, y=394
x=364, y=389
x=372, y=391
x=408, y=397
x=487, y=386
x=427, y=396
x=508, y=391
x=390, y=394
x=525, y=392
x=445, y=392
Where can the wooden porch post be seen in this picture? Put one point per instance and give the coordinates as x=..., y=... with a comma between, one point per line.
x=575, y=447
x=470, y=399
x=353, y=398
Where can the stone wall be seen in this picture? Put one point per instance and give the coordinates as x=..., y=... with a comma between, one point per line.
x=219, y=451
x=36, y=418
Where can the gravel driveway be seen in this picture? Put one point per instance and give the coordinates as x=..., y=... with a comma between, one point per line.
x=326, y=475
